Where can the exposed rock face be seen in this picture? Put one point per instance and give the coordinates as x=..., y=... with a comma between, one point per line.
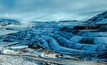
x=88, y=42
x=5, y=22
x=99, y=19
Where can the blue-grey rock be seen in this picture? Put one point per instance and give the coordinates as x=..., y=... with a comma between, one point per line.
x=80, y=39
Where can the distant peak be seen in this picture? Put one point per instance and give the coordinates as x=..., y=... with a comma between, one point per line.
x=99, y=18
x=5, y=21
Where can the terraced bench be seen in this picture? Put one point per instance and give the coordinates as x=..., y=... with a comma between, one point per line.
x=80, y=40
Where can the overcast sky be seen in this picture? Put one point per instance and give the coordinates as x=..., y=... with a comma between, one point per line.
x=40, y=10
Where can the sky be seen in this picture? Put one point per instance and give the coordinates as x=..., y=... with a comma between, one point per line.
x=51, y=10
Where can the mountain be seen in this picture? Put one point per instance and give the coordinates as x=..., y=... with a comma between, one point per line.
x=5, y=21
x=99, y=19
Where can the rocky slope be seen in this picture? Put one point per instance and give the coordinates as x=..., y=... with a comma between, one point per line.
x=84, y=40
x=5, y=22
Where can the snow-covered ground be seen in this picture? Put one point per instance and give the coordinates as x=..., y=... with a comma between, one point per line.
x=3, y=31
x=17, y=60
x=21, y=60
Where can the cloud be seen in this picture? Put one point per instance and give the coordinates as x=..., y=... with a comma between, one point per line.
x=51, y=9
